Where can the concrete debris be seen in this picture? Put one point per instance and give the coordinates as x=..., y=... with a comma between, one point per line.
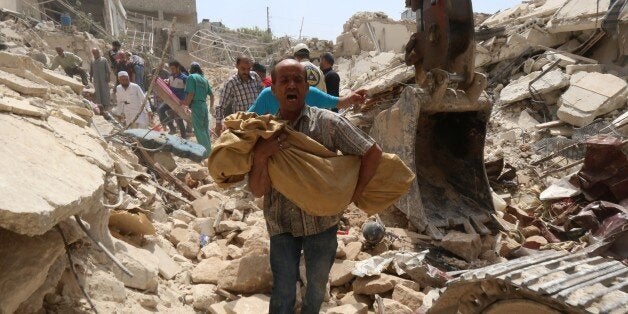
x=520, y=89
x=590, y=95
x=467, y=246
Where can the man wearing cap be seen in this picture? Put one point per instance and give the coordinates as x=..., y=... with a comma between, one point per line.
x=239, y=91
x=70, y=63
x=315, y=76
x=130, y=98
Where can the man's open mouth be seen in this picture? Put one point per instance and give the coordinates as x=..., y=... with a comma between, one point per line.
x=291, y=97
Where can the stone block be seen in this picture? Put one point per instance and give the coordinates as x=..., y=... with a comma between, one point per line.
x=208, y=270
x=204, y=296
x=340, y=273
x=590, y=95
x=249, y=274
x=352, y=250
x=257, y=303
x=408, y=297
x=355, y=308
x=142, y=263
x=375, y=284
x=392, y=306
x=206, y=206
x=467, y=246
x=168, y=268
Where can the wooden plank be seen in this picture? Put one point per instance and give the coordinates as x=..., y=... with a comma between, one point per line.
x=163, y=91
x=166, y=175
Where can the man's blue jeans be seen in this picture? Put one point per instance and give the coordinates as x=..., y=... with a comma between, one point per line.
x=285, y=254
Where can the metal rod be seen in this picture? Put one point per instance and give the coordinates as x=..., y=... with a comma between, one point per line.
x=76, y=277
x=102, y=247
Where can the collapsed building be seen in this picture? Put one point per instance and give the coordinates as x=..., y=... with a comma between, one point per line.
x=554, y=160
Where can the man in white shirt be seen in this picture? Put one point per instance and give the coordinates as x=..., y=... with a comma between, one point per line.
x=315, y=76
x=130, y=98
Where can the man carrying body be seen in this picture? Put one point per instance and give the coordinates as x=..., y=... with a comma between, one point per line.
x=130, y=98
x=315, y=76
x=239, y=91
x=100, y=76
x=290, y=228
x=176, y=81
x=70, y=63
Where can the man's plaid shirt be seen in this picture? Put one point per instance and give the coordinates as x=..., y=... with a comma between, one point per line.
x=238, y=95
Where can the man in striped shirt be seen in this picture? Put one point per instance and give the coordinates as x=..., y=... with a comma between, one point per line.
x=239, y=91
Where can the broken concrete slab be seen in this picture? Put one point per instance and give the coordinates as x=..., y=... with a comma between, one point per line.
x=21, y=107
x=391, y=306
x=59, y=79
x=519, y=89
x=340, y=273
x=24, y=265
x=206, y=206
x=590, y=95
x=204, y=296
x=258, y=303
x=249, y=274
x=467, y=246
x=355, y=308
x=208, y=270
x=375, y=284
x=21, y=85
x=352, y=250
x=84, y=142
x=168, y=268
x=408, y=297
x=577, y=15
x=31, y=155
x=575, y=68
x=142, y=263
x=352, y=298
x=35, y=302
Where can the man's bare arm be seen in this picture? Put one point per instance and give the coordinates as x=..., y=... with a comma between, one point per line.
x=370, y=162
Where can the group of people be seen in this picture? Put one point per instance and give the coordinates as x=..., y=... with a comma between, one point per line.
x=296, y=91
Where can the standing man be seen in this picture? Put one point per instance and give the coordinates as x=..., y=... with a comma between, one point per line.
x=315, y=76
x=70, y=63
x=130, y=98
x=113, y=52
x=197, y=89
x=176, y=81
x=260, y=69
x=138, y=68
x=332, y=80
x=100, y=76
x=291, y=229
x=239, y=91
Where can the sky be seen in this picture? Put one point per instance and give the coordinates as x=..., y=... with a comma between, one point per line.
x=321, y=18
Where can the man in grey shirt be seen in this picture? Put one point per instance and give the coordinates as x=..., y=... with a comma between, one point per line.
x=291, y=229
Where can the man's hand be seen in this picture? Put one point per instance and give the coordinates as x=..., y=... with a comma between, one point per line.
x=264, y=148
x=357, y=97
x=259, y=179
x=218, y=129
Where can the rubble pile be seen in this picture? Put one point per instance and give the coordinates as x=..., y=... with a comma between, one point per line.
x=368, y=31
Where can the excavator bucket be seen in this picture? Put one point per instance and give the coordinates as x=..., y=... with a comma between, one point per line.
x=438, y=127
